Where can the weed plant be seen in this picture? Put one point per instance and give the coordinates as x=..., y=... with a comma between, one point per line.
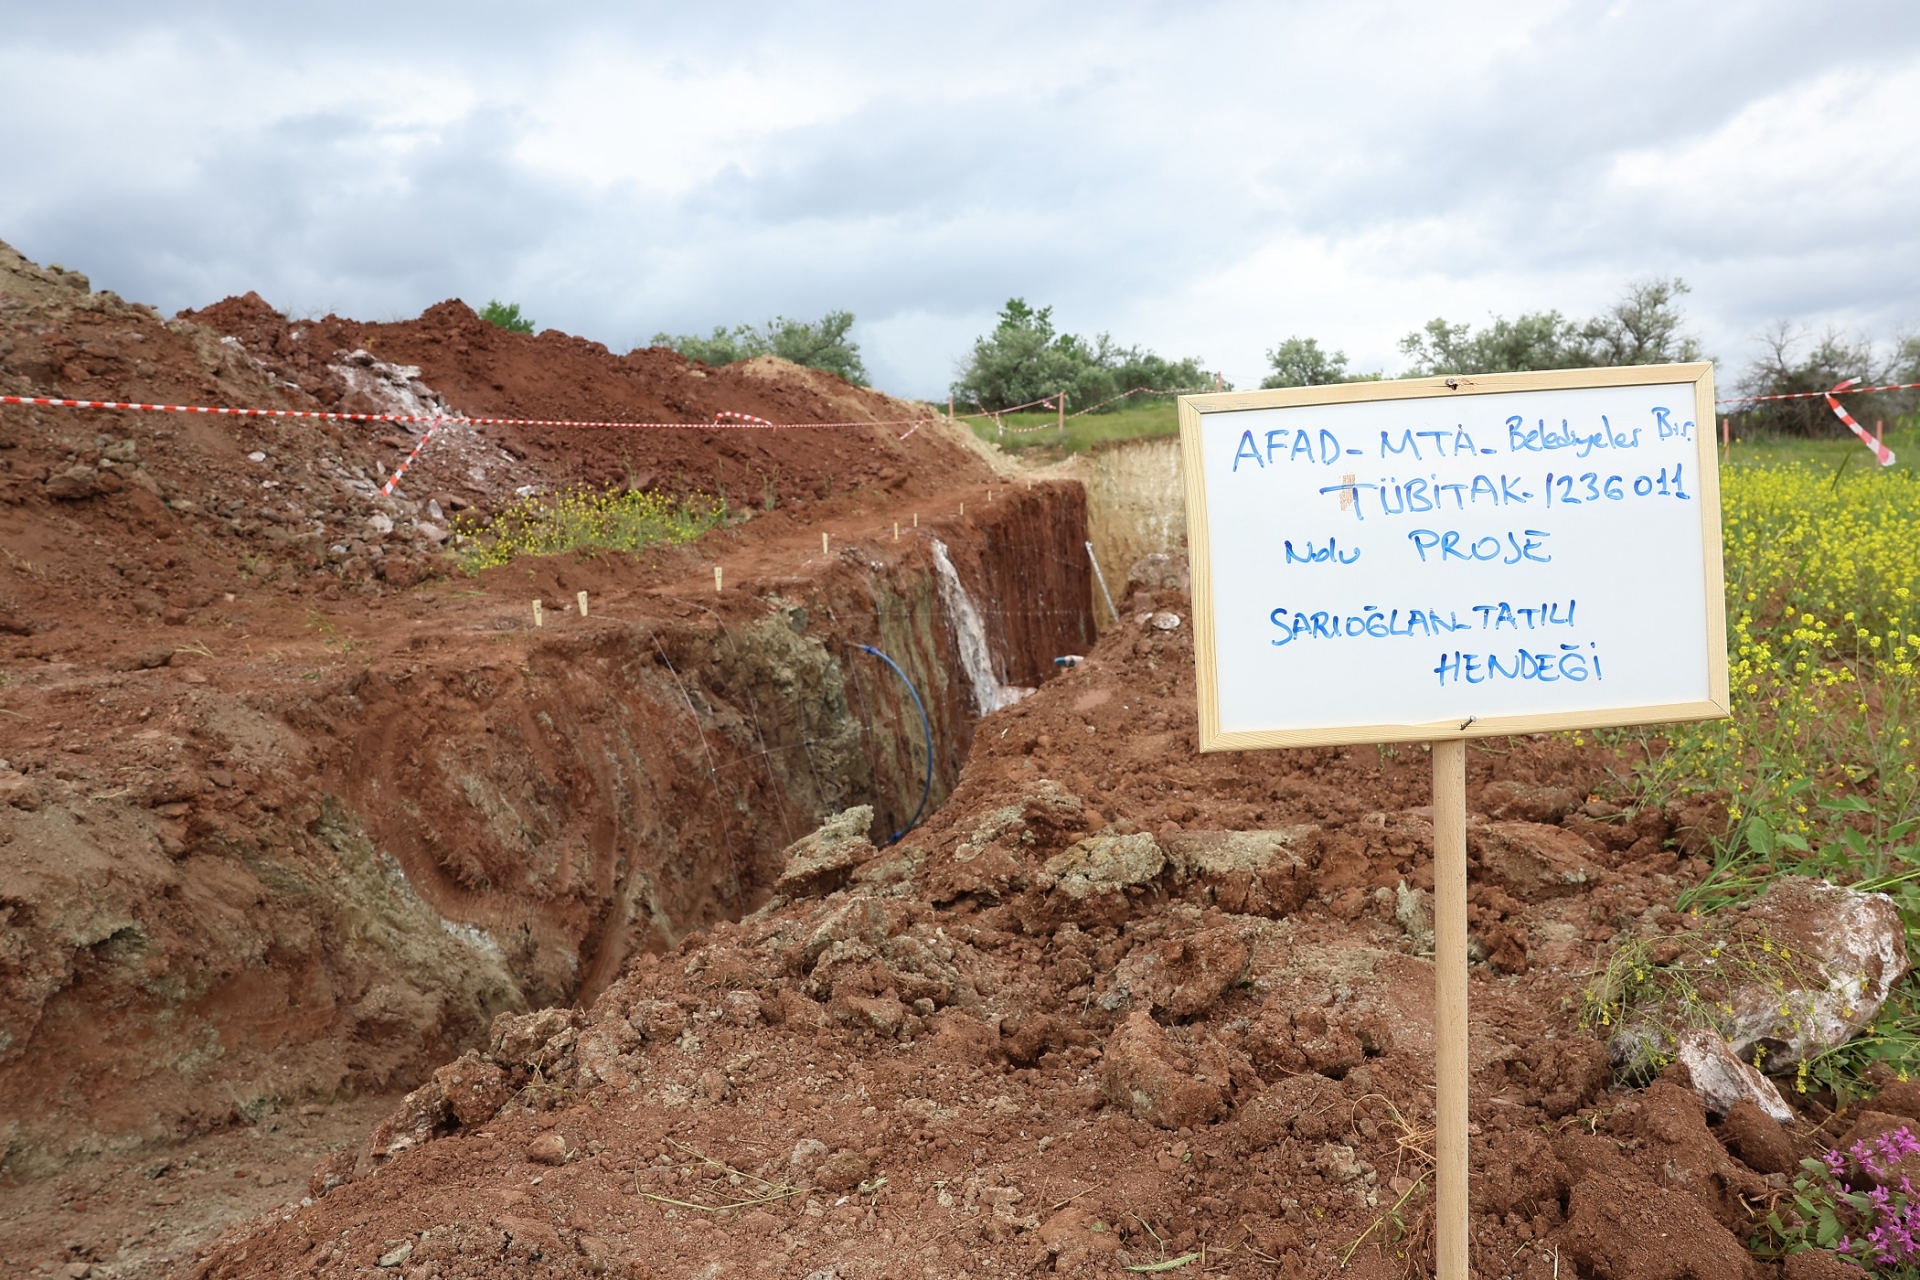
x=1817, y=764
x=1858, y=1202
x=1649, y=993
x=584, y=519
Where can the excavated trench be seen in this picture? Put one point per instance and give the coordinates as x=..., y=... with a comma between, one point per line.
x=482, y=816
x=613, y=787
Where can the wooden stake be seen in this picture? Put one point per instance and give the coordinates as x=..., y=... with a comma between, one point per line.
x=949, y=408
x=896, y=531
x=583, y=604
x=963, y=508
x=1726, y=437
x=716, y=577
x=1450, y=1004
x=1063, y=417
x=916, y=519
x=539, y=618
x=823, y=544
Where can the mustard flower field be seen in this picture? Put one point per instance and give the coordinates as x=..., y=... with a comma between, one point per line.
x=583, y=520
x=1817, y=766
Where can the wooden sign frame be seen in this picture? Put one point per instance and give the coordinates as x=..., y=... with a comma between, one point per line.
x=1448, y=737
x=1195, y=409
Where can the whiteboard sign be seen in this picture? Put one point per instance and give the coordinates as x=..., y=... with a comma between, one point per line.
x=1397, y=561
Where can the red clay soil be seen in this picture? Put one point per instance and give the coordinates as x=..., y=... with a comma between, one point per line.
x=1116, y=1005
x=486, y=371
x=207, y=643
x=1076, y=1025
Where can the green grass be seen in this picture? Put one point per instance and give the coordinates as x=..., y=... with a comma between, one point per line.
x=1144, y=416
x=1901, y=437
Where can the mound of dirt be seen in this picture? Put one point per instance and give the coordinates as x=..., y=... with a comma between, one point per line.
x=1117, y=1004
x=486, y=371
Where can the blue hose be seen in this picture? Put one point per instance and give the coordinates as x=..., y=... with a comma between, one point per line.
x=926, y=727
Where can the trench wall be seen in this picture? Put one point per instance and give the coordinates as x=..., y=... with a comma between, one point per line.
x=481, y=820
x=1136, y=504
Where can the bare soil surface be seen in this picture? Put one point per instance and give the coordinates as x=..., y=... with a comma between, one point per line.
x=1119, y=1004
x=296, y=818
x=290, y=807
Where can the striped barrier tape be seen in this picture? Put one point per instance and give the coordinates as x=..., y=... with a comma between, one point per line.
x=722, y=422
x=1810, y=395
x=432, y=431
x=1879, y=447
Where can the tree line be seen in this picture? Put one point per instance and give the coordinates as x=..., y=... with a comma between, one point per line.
x=1025, y=358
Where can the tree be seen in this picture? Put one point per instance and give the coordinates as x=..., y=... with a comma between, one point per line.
x=1299, y=362
x=506, y=315
x=1643, y=327
x=1791, y=364
x=1024, y=359
x=819, y=344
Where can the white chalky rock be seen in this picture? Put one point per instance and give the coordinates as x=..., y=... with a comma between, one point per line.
x=380, y=523
x=1721, y=1079
x=1849, y=949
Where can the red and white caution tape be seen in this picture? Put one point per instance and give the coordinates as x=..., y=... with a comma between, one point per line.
x=432, y=431
x=721, y=422
x=1810, y=395
x=1879, y=447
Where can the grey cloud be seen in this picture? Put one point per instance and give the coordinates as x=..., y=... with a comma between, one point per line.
x=1100, y=164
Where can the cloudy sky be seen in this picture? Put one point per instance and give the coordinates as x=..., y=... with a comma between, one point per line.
x=1201, y=178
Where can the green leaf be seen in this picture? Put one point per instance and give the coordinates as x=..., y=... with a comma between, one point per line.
x=1847, y=804
x=1787, y=839
x=1829, y=1230
x=1759, y=836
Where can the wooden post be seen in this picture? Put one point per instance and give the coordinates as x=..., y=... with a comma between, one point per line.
x=949, y=408
x=1450, y=1005
x=824, y=544
x=1726, y=437
x=896, y=531
x=716, y=577
x=539, y=619
x=1879, y=432
x=583, y=604
x=1062, y=406
x=916, y=519
x=963, y=508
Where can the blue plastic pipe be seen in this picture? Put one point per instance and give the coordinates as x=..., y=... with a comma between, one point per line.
x=926, y=727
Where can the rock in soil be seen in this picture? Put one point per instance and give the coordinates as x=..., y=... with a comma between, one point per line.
x=1723, y=1081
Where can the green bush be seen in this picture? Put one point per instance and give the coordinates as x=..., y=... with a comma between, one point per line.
x=1644, y=327
x=1299, y=362
x=818, y=344
x=1024, y=359
x=506, y=315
